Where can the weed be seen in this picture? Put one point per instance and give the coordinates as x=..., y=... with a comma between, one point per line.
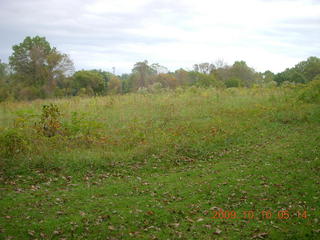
x=13, y=142
x=49, y=124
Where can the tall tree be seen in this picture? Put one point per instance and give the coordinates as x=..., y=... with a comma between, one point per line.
x=159, y=68
x=4, y=88
x=245, y=74
x=114, y=85
x=142, y=74
x=302, y=72
x=205, y=68
x=39, y=65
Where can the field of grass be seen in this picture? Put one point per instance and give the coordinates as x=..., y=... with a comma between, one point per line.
x=189, y=164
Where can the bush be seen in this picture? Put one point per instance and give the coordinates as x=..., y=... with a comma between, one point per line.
x=156, y=87
x=233, y=82
x=50, y=123
x=311, y=94
x=4, y=94
x=142, y=90
x=270, y=84
x=30, y=93
x=13, y=142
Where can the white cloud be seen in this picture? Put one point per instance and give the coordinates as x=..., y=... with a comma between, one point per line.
x=267, y=34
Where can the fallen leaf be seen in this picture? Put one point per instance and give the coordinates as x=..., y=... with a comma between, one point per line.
x=111, y=228
x=260, y=235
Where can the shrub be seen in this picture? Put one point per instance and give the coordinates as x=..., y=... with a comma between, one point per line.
x=142, y=90
x=30, y=93
x=311, y=94
x=13, y=142
x=270, y=84
x=233, y=82
x=49, y=123
x=156, y=87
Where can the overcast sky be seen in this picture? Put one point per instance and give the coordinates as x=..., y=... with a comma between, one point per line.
x=267, y=34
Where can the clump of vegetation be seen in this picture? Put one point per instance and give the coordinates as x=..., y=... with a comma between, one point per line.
x=13, y=142
x=50, y=124
x=311, y=94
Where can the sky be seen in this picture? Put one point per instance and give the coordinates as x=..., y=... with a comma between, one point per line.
x=101, y=34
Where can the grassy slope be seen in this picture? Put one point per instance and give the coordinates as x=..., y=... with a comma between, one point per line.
x=154, y=167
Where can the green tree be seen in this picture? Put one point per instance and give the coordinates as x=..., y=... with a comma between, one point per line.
x=268, y=76
x=242, y=72
x=222, y=72
x=88, y=82
x=308, y=69
x=4, y=88
x=126, y=83
x=105, y=75
x=3, y=70
x=209, y=81
x=303, y=72
x=37, y=64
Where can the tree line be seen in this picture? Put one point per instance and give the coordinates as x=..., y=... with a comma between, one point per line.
x=38, y=70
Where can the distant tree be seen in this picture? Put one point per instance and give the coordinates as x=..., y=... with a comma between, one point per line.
x=210, y=80
x=105, y=75
x=159, y=68
x=193, y=77
x=142, y=74
x=88, y=82
x=4, y=88
x=222, y=73
x=242, y=72
x=182, y=77
x=205, y=68
x=3, y=71
x=126, y=84
x=308, y=69
x=302, y=72
x=268, y=76
x=167, y=80
x=35, y=63
x=114, y=85
x=220, y=63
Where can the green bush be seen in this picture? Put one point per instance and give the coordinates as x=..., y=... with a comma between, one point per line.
x=311, y=94
x=157, y=87
x=233, y=82
x=50, y=123
x=13, y=142
x=30, y=93
x=142, y=90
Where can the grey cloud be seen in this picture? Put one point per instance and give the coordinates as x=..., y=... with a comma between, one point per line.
x=70, y=23
x=70, y=27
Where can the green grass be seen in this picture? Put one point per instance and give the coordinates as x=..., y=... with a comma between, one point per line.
x=158, y=166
